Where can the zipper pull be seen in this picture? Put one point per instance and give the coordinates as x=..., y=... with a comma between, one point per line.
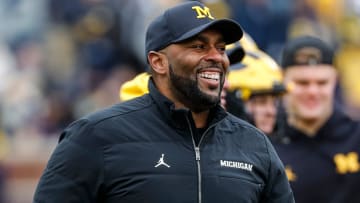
x=197, y=153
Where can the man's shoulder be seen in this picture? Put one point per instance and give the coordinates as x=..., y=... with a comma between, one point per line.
x=110, y=118
x=106, y=122
x=123, y=109
x=251, y=139
x=245, y=130
x=243, y=124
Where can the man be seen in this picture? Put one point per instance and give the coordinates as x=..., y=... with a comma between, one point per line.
x=255, y=86
x=175, y=144
x=322, y=153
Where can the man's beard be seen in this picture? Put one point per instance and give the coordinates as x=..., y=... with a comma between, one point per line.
x=188, y=93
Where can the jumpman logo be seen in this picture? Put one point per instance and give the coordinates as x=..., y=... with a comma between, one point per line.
x=161, y=162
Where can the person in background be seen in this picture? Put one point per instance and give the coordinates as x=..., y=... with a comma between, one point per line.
x=255, y=86
x=136, y=87
x=321, y=155
x=176, y=143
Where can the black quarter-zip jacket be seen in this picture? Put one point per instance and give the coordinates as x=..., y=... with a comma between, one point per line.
x=324, y=168
x=143, y=150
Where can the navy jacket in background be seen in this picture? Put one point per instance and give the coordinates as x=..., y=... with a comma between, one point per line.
x=324, y=168
x=143, y=150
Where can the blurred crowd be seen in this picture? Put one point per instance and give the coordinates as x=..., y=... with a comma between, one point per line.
x=60, y=60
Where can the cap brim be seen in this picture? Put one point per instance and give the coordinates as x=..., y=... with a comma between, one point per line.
x=230, y=30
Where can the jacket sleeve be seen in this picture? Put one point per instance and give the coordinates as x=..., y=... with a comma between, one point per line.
x=278, y=188
x=74, y=172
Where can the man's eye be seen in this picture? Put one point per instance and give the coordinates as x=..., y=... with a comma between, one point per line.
x=222, y=49
x=302, y=83
x=198, y=46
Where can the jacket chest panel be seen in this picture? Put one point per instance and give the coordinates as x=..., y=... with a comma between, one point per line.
x=232, y=177
x=168, y=166
x=320, y=171
x=145, y=171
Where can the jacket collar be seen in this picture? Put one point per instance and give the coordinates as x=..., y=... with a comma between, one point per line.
x=339, y=126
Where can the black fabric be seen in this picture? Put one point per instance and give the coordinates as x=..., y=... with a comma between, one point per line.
x=319, y=52
x=142, y=151
x=313, y=161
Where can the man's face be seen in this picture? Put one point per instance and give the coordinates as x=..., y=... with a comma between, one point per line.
x=197, y=69
x=263, y=110
x=313, y=93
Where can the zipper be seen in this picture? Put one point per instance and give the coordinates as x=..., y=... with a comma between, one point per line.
x=197, y=155
x=197, y=158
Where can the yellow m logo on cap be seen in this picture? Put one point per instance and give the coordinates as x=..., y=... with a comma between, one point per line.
x=202, y=12
x=347, y=163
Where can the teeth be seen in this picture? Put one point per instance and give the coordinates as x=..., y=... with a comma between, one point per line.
x=213, y=76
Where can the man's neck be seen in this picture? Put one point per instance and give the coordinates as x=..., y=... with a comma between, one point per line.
x=308, y=127
x=200, y=119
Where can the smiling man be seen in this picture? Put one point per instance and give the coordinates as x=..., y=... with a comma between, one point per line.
x=176, y=143
x=197, y=69
x=308, y=68
x=322, y=152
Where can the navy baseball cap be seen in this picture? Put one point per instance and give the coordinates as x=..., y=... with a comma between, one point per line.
x=306, y=50
x=185, y=21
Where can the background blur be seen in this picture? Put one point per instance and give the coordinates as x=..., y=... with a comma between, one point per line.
x=61, y=59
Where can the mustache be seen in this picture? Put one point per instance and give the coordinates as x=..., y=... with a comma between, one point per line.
x=212, y=65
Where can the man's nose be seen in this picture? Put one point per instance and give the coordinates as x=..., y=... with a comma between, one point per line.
x=214, y=54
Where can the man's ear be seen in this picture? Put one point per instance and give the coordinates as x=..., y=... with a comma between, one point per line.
x=158, y=62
